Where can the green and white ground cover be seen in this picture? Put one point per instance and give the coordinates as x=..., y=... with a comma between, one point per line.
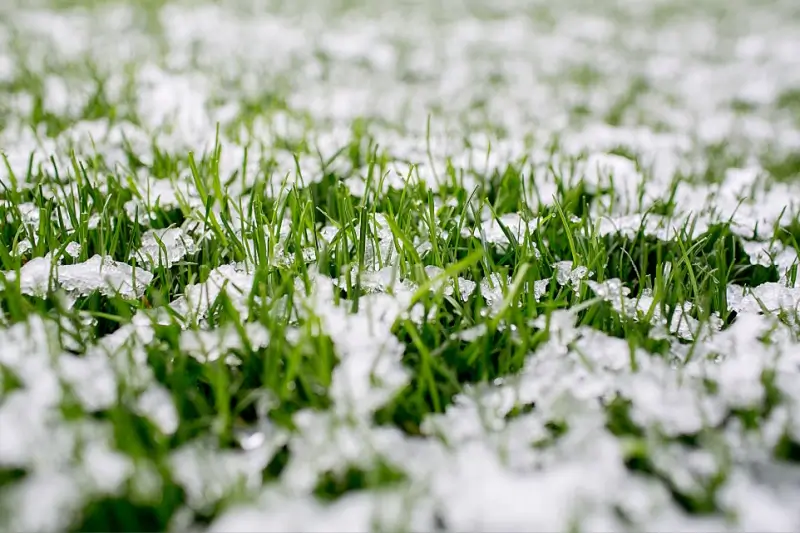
x=346, y=266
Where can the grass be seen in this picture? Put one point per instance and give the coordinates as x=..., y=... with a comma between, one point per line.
x=404, y=231
x=290, y=315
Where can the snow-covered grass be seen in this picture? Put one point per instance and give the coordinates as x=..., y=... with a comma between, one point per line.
x=399, y=266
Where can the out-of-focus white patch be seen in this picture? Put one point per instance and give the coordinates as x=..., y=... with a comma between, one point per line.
x=472, y=334
x=208, y=474
x=156, y=404
x=757, y=506
x=160, y=194
x=91, y=379
x=42, y=502
x=107, y=469
x=369, y=369
x=209, y=345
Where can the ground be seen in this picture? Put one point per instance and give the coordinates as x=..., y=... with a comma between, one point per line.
x=469, y=265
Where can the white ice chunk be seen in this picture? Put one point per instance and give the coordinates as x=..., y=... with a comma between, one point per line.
x=106, y=275
x=164, y=247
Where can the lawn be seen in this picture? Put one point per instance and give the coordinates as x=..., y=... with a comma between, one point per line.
x=454, y=265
